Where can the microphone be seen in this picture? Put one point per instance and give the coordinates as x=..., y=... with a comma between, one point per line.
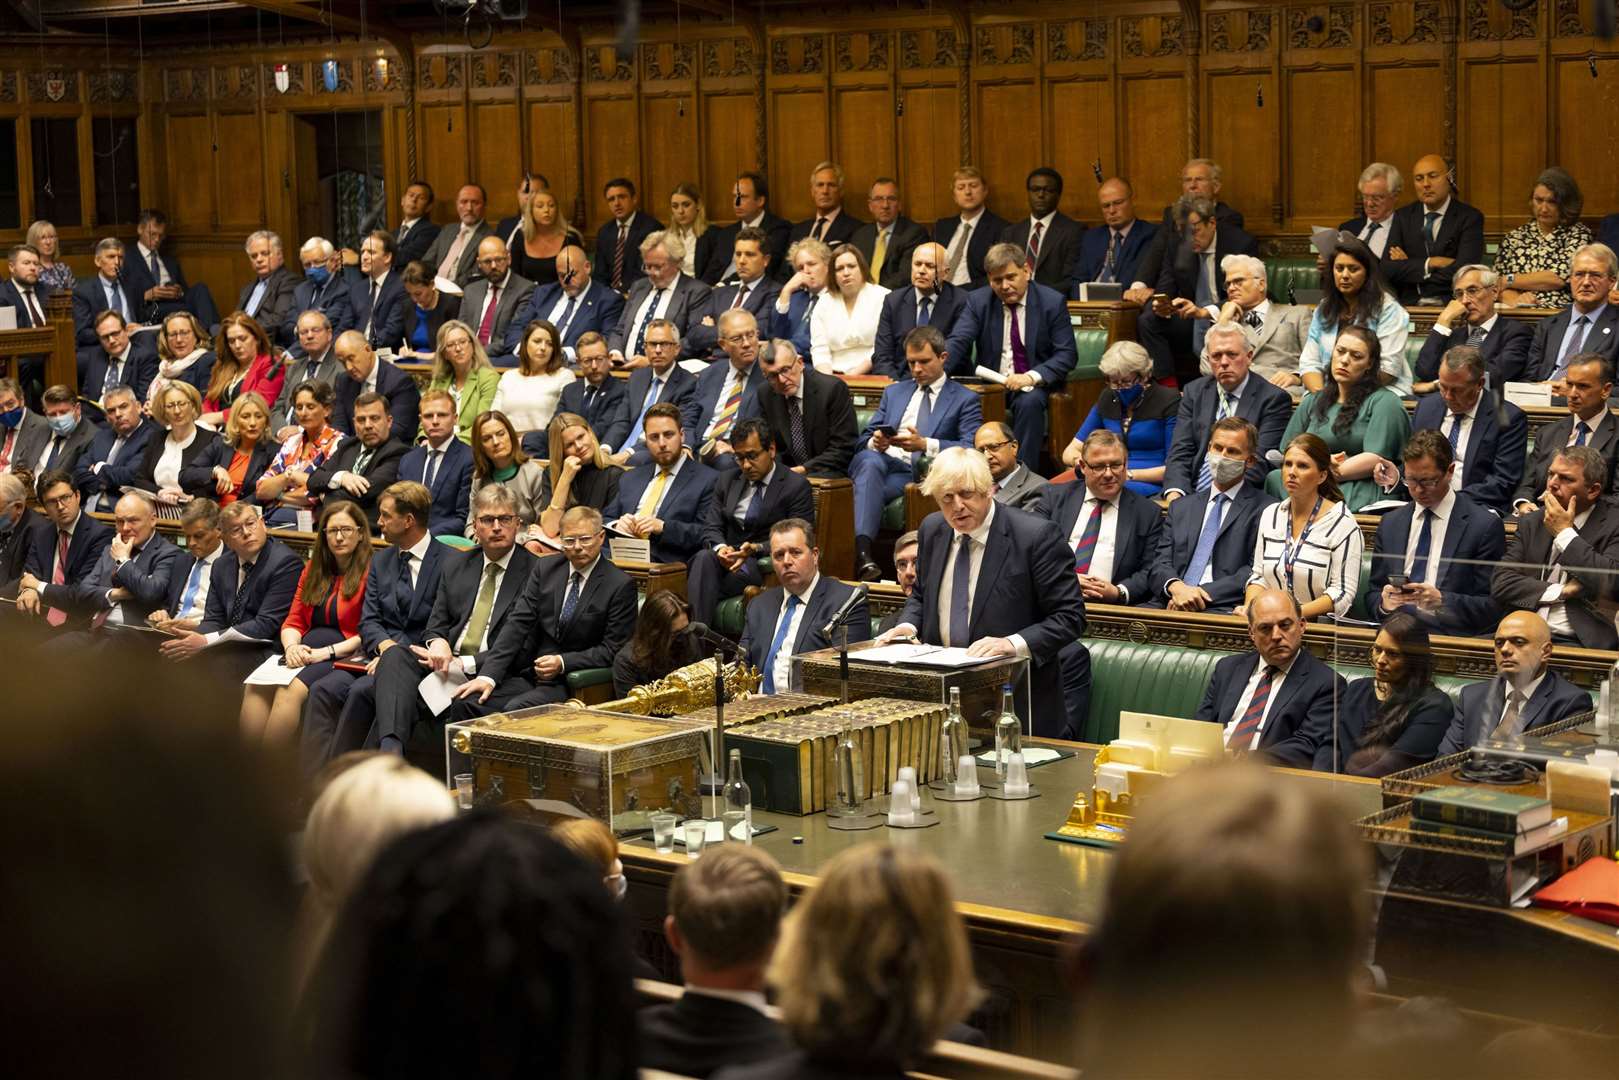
x=1273, y=457
x=706, y=633
x=855, y=597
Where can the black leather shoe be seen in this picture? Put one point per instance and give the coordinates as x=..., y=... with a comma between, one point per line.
x=868, y=571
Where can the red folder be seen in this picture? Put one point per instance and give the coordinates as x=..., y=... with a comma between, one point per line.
x=1590, y=890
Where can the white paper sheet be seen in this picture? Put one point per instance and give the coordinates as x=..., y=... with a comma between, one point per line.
x=923, y=655
x=271, y=673
x=436, y=689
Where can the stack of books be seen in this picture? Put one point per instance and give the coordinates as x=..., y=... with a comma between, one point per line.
x=1515, y=823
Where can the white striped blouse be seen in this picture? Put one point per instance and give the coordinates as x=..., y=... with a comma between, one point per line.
x=1327, y=562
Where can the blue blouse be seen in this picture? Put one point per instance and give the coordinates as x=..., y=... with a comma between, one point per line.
x=1148, y=434
x=419, y=339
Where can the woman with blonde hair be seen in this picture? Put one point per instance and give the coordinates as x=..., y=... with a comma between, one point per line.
x=182, y=354
x=462, y=368
x=535, y=247
x=689, y=221
x=579, y=473
x=170, y=466
x=53, y=271
x=240, y=458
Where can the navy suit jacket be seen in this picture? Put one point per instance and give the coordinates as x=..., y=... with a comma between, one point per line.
x=1482, y=704
x=404, y=401
x=704, y=340
x=112, y=478
x=1026, y=586
x=795, y=324
x=1601, y=337
x=641, y=226
x=380, y=471
x=1135, y=538
x=198, y=477
x=1474, y=543
x=140, y=368
x=333, y=301
x=1505, y=349
x=90, y=300
x=416, y=242
x=829, y=594
x=841, y=231
x=270, y=587
x=1177, y=277
x=450, y=487
x=679, y=389
x=11, y=296
x=787, y=495
x=706, y=395
x=608, y=415
x=1301, y=711
x=1233, y=560
x=392, y=613
x=1552, y=438
x=1048, y=335
x=955, y=419
x=600, y=625
x=388, y=324
x=684, y=510
x=1496, y=446
x=90, y=539
x=987, y=232
x=460, y=576
x=899, y=318
x=776, y=230
x=138, y=276
x=1059, y=249
x=1461, y=238
x=146, y=576
x=1127, y=260
x=906, y=237
x=1262, y=404
x=598, y=308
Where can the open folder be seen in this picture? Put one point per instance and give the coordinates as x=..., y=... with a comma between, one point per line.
x=1590, y=890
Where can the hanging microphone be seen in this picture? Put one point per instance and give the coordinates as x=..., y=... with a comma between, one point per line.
x=856, y=596
x=1273, y=457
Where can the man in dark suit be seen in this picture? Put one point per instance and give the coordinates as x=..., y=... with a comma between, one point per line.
x=22, y=430
x=61, y=440
x=1112, y=252
x=750, y=195
x=792, y=617
x=916, y=418
x=1443, y=543
x=576, y=304
x=498, y=294
x=995, y=581
x=1470, y=318
x=1206, y=550
x=1587, y=384
x=1200, y=179
x=905, y=549
x=575, y=613
x=109, y=462
x=1192, y=284
x=1278, y=701
x=323, y=289
x=618, y=242
x=1431, y=237
x=187, y=602
x=1051, y=237
x=723, y=922
x=377, y=293
x=363, y=371
x=595, y=395
x=664, y=501
x=270, y=296
x=442, y=464
x=890, y=238
x=1525, y=693
x=1231, y=390
x=661, y=293
x=416, y=231
x=453, y=254
x=62, y=562
x=1489, y=436
x=727, y=391
x=25, y=294
x=130, y=579
x=157, y=280
x=117, y=359
x=831, y=224
x=1113, y=533
x=662, y=380
x=926, y=301
x=366, y=463
x=1589, y=325
x=736, y=526
x=968, y=236
x=250, y=591
x=319, y=364
x=1380, y=185
x=20, y=530
x=753, y=290
x=1014, y=483
x=477, y=592
x=810, y=414
x=1562, y=558
x=103, y=291
x=1021, y=330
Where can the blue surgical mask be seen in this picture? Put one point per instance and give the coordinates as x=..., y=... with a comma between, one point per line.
x=11, y=418
x=63, y=424
x=318, y=274
x=1129, y=395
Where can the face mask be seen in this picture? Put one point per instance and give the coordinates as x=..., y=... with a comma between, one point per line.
x=12, y=418
x=1224, y=470
x=318, y=274
x=1130, y=395
x=64, y=424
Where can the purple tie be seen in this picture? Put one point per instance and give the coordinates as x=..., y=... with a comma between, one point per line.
x=1020, y=356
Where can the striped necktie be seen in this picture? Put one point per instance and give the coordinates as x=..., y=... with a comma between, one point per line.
x=1085, y=547
x=1254, y=716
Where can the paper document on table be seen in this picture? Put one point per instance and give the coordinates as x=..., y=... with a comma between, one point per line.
x=436, y=689
x=629, y=549
x=1032, y=756
x=925, y=655
x=271, y=673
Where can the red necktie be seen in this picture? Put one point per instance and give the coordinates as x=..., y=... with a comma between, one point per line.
x=487, y=327
x=5, y=448
x=1085, y=548
x=1255, y=714
x=56, y=616
x=741, y=295
x=1034, y=243
x=33, y=308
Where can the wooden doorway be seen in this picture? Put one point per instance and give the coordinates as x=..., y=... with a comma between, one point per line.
x=338, y=170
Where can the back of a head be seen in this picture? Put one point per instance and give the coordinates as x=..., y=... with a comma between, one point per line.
x=728, y=906
x=360, y=812
x=1237, y=895
x=589, y=839
x=478, y=946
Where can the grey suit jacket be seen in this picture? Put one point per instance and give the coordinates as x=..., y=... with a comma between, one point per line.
x=684, y=309
x=513, y=298
x=298, y=373
x=466, y=267
x=1022, y=490
x=1277, y=344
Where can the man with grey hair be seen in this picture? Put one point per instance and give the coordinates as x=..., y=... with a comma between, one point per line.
x=103, y=291
x=1589, y=325
x=1190, y=285
x=268, y=297
x=831, y=223
x=1200, y=179
x=19, y=526
x=1275, y=332
x=1379, y=185
x=1488, y=435
x=319, y=364
x=664, y=293
x=1471, y=319
x=114, y=454
x=323, y=289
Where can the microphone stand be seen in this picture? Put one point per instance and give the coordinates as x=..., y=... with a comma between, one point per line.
x=714, y=784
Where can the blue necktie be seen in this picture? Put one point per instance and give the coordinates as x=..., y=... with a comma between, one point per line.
x=567, y=317
x=193, y=583
x=1419, y=554
x=570, y=601
x=960, y=584
x=756, y=505
x=115, y=374
x=925, y=312
x=430, y=473
x=1205, y=541
x=115, y=298
x=1455, y=434
x=1581, y=430
x=650, y=400
x=257, y=298
x=651, y=313
x=777, y=642
x=1430, y=225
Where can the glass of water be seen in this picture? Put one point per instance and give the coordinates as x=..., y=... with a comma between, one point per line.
x=736, y=827
x=663, y=832
x=463, y=790
x=696, y=837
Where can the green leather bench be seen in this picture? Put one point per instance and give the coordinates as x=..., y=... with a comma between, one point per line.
x=1284, y=274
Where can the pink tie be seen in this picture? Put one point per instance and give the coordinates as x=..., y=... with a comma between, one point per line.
x=56, y=616
x=487, y=327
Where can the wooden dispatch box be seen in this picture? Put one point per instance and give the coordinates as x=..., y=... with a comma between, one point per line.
x=980, y=686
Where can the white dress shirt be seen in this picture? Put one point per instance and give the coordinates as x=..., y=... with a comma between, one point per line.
x=1462, y=439
x=961, y=241
x=742, y=504
x=1102, y=553
x=418, y=552
x=199, y=602
x=668, y=485
x=1527, y=691
x=1552, y=607
x=1595, y=424
x=732, y=378
x=781, y=670
x=1377, y=239
x=980, y=537
x=1006, y=367
x=1276, y=681
x=1440, y=517
x=146, y=253
x=653, y=307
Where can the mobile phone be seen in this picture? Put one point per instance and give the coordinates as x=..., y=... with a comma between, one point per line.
x=888, y=431
x=1399, y=581
x=1160, y=298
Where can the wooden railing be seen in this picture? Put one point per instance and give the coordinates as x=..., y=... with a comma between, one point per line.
x=54, y=341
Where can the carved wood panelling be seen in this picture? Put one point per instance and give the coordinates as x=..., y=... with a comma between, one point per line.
x=295, y=77
x=499, y=69
x=1484, y=20
x=1078, y=39
x=180, y=84
x=1330, y=27
x=729, y=59
x=1404, y=24
x=667, y=62
x=549, y=67
x=928, y=49
x=106, y=87
x=8, y=87
x=1152, y=35
x=342, y=84
x=860, y=52
x=1569, y=22
x=56, y=87
x=1004, y=44
x=440, y=72
x=798, y=55
x=1239, y=31
x=240, y=81
x=382, y=74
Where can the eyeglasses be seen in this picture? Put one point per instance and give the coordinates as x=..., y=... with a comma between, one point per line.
x=573, y=543
x=1468, y=293
x=1426, y=483
x=243, y=530
x=340, y=532
x=489, y=521
x=661, y=344
x=59, y=500
x=994, y=447
x=1104, y=466
x=747, y=456
x=1123, y=384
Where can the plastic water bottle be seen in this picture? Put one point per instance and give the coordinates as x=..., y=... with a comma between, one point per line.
x=1008, y=733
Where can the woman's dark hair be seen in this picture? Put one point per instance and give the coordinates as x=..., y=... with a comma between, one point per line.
x=1362, y=388
x=482, y=466
x=324, y=571
x=1335, y=309
x=652, y=644
x=499, y=941
x=1316, y=448
x=322, y=392
x=1411, y=638
x=1570, y=202
x=557, y=356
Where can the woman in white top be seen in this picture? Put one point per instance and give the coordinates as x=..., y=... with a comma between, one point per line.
x=844, y=326
x=528, y=393
x=1309, y=544
x=689, y=221
x=1353, y=294
x=167, y=467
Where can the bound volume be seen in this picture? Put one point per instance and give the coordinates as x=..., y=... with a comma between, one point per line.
x=1498, y=812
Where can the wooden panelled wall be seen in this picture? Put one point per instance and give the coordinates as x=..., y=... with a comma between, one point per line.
x=1292, y=100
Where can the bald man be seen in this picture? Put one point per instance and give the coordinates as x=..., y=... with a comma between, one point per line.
x=1524, y=694
x=1111, y=252
x=130, y=580
x=489, y=304
x=926, y=300
x=1433, y=237
x=575, y=303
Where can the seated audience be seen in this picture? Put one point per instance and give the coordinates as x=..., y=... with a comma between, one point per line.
x=1230, y=391
x=63, y=439
x=182, y=353
x=880, y=946
x=619, y=242
x=1447, y=558
x=1050, y=236
x=727, y=391
x=1394, y=719
x=53, y=269
x=1205, y=553
x=453, y=255
x=666, y=500
x=810, y=414
x=725, y=914
x=1353, y=294
x=1362, y=423
x=528, y=393
x=662, y=379
x=426, y=309
x=235, y=461
x=1012, y=483
x=117, y=359
x=110, y=461
x=807, y=288
x=1562, y=558
x=180, y=465
x=1278, y=701
x=103, y=292
x=441, y=463
x=925, y=413
x=579, y=472
x=21, y=528
x=832, y=224
x=1136, y=409
x=1275, y=332
x=493, y=299
x=1589, y=325
x=63, y=557
x=270, y=297
x=321, y=627
x=791, y=618
x=926, y=301
x=1309, y=544
x=844, y=329
x=1487, y=434
x=313, y=359
x=323, y=289
x=890, y=239
x=543, y=235
x=750, y=196
x=664, y=295
x=25, y=293
x=752, y=290
x=1535, y=258
x=1190, y=283
x=283, y=488
x=128, y=582
x=594, y=842
x=905, y=549
x=462, y=368
x=156, y=281
x=595, y=395
x=1111, y=252
x=498, y=458
x=1525, y=693
x=1431, y=237
x=377, y=293
x=576, y=304
x=364, y=370
x=246, y=363
x=192, y=575
x=1379, y=186
x=25, y=431
x=552, y=995
x=968, y=235
x=1021, y=330
x=1471, y=319
x=659, y=645
x=576, y=612
x=1587, y=383
x=365, y=463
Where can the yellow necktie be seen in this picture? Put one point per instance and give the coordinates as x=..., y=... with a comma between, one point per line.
x=877, y=254
x=654, y=492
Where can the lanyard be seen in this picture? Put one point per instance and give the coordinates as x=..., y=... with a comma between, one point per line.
x=1290, y=552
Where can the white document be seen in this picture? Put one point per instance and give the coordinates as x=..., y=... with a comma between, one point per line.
x=922, y=655
x=1526, y=394
x=995, y=377
x=1032, y=755
x=695, y=366
x=629, y=549
x=8, y=318
x=436, y=689
x=1324, y=240
x=271, y=673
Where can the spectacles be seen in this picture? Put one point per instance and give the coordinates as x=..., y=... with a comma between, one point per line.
x=59, y=500
x=340, y=532
x=572, y=543
x=1467, y=293
x=1426, y=483
x=994, y=447
x=489, y=521
x=747, y=456
x=1104, y=466
x=1122, y=384
x=243, y=530
x=661, y=344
